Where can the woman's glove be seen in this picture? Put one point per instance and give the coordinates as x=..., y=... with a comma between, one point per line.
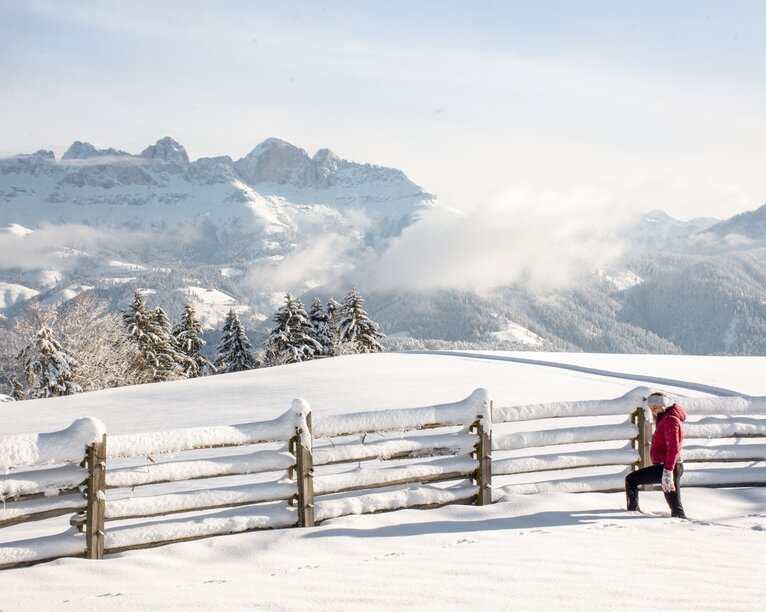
x=667, y=481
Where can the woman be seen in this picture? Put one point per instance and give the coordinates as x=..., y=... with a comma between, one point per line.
x=665, y=453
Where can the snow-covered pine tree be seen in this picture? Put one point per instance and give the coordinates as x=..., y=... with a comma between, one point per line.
x=333, y=318
x=356, y=332
x=189, y=342
x=48, y=368
x=291, y=341
x=234, y=351
x=153, y=334
x=322, y=332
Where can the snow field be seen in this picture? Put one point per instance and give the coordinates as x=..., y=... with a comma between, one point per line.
x=540, y=552
x=475, y=406
x=532, y=552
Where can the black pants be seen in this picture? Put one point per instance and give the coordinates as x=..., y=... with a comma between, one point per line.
x=653, y=475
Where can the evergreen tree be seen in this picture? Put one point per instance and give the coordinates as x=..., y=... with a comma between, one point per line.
x=322, y=331
x=291, y=341
x=356, y=332
x=333, y=318
x=234, y=351
x=152, y=333
x=48, y=368
x=189, y=343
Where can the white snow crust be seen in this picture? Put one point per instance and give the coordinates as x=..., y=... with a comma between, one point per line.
x=392, y=500
x=560, y=461
x=572, y=435
x=68, y=543
x=66, y=446
x=724, y=452
x=135, y=445
x=739, y=428
x=203, y=498
x=252, y=463
x=610, y=482
x=16, y=509
x=48, y=481
x=332, y=483
x=464, y=412
x=457, y=443
x=229, y=521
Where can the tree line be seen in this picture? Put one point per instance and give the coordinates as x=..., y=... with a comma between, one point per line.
x=83, y=346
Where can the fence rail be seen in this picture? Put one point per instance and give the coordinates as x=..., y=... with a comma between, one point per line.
x=303, y=469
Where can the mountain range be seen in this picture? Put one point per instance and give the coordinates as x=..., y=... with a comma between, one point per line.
x=238, y=234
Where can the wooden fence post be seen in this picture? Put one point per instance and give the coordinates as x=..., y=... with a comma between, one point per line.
x=96, y=508
x=302, y=448
x=644, y=440
x=483, y=453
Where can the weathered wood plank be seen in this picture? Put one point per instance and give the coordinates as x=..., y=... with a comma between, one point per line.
x=121, y=549
x=392, y=483
x=259, y=462
x=96, y=506
x=39, y=516
x=483, y=454
x=302, y=445
x=21, y=564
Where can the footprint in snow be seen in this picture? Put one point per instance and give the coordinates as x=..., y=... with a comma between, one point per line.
x=462, y=541
x=386, y=556
x=297, y=569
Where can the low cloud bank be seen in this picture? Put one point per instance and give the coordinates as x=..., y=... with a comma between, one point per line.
x=57, y=246
x=542, y=239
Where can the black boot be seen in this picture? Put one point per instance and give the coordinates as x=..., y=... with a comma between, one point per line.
x=674, y=498
x=674, y=503
x=631, y=493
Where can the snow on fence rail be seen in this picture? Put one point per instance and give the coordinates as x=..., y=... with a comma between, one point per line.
x=722, y=417
x=305, y=470
x=161, y=462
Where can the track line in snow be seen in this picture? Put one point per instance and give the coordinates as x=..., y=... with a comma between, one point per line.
x=658, y=380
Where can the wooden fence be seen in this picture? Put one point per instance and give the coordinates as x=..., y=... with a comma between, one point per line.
x=144, y=490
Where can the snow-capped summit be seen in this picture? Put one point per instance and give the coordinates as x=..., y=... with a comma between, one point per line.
x=85, y=150
x=167, y=150
x=275, y=161
x=261, y=207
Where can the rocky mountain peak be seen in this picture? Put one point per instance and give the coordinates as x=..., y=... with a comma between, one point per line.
x=275, y=161
x=167, y=150
x=326, y=159
x=85, y=150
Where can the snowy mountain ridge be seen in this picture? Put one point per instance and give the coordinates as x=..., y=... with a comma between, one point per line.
x=239, y=234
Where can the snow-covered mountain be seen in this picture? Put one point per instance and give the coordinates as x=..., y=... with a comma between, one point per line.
x=225, y=234
x=275, y=190
x=112, y=219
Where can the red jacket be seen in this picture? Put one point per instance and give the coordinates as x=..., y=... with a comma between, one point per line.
x=668, y=437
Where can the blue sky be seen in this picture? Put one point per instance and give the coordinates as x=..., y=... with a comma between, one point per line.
x=647, y=104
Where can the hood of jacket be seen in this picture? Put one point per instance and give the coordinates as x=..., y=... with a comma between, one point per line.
x=676, y=411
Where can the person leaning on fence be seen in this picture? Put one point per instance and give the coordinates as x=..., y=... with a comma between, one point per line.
x=665, y=453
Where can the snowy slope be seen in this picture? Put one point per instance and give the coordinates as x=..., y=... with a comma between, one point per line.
x=11, y=293
x=505, y=555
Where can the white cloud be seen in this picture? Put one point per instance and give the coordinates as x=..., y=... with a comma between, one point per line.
x=318, y=262
x=57, y=246
x=543, y=239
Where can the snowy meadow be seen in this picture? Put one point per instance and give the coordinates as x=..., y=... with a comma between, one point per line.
x=528, y=551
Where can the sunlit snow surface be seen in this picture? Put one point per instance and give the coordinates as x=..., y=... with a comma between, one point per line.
x=544, y=551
